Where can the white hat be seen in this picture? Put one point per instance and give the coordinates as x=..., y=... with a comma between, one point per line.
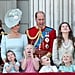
x=13, y=17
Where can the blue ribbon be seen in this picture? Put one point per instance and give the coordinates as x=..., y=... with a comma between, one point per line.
x=47, y=30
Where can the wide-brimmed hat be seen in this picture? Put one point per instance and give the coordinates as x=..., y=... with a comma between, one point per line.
x=12, y=17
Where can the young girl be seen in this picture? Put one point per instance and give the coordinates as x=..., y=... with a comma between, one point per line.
x=67, y=63
x=11, y=65
x=30, y=63
x=46, y=64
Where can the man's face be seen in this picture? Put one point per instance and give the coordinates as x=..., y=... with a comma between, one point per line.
x=40, y=20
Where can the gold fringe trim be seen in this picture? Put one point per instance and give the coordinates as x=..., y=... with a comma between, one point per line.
x=39, y=34
x=30, y=36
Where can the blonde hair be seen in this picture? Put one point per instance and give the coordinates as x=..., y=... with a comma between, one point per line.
x=70, y=55
x=29, y=45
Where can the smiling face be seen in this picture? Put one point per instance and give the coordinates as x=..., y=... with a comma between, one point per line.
x=67, y=58
x=29, y=50
x=45, y=60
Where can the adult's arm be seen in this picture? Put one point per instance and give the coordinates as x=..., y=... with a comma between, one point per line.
x=55, y=54
x=3, y=48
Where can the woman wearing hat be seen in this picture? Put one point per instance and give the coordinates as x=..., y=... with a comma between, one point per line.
x=14, y=41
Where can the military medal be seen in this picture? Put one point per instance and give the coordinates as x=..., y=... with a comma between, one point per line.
x=46, y=39
x=46, y=46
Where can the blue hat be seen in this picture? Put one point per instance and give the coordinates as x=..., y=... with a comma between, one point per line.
x=13, y=17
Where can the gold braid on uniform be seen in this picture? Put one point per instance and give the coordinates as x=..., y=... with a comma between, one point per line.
x=30, y=36
x=39, y=34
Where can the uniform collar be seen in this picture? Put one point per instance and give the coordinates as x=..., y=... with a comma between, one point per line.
x=40, y=28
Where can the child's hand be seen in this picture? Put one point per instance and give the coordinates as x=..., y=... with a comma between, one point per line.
x=11, y=64
x=24, y=53
x=8, y=68
x=32, y=56
x=16, y=68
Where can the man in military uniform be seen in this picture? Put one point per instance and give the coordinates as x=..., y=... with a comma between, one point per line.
x=40, y=35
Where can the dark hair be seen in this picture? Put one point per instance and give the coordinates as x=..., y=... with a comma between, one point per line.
x=7, y=57
x=39, y=12
x=60, y=38
x=0, y=23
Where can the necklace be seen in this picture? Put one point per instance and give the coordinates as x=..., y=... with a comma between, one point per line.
x=66, y=44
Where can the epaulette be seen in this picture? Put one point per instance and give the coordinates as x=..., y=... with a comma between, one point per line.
x=32, y=33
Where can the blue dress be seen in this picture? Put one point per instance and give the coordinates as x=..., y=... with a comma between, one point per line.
x=15, y=44
x=70, y=68
x=12, y=69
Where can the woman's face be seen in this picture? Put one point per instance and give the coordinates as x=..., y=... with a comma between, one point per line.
x=65, y=28
x=15, y=28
